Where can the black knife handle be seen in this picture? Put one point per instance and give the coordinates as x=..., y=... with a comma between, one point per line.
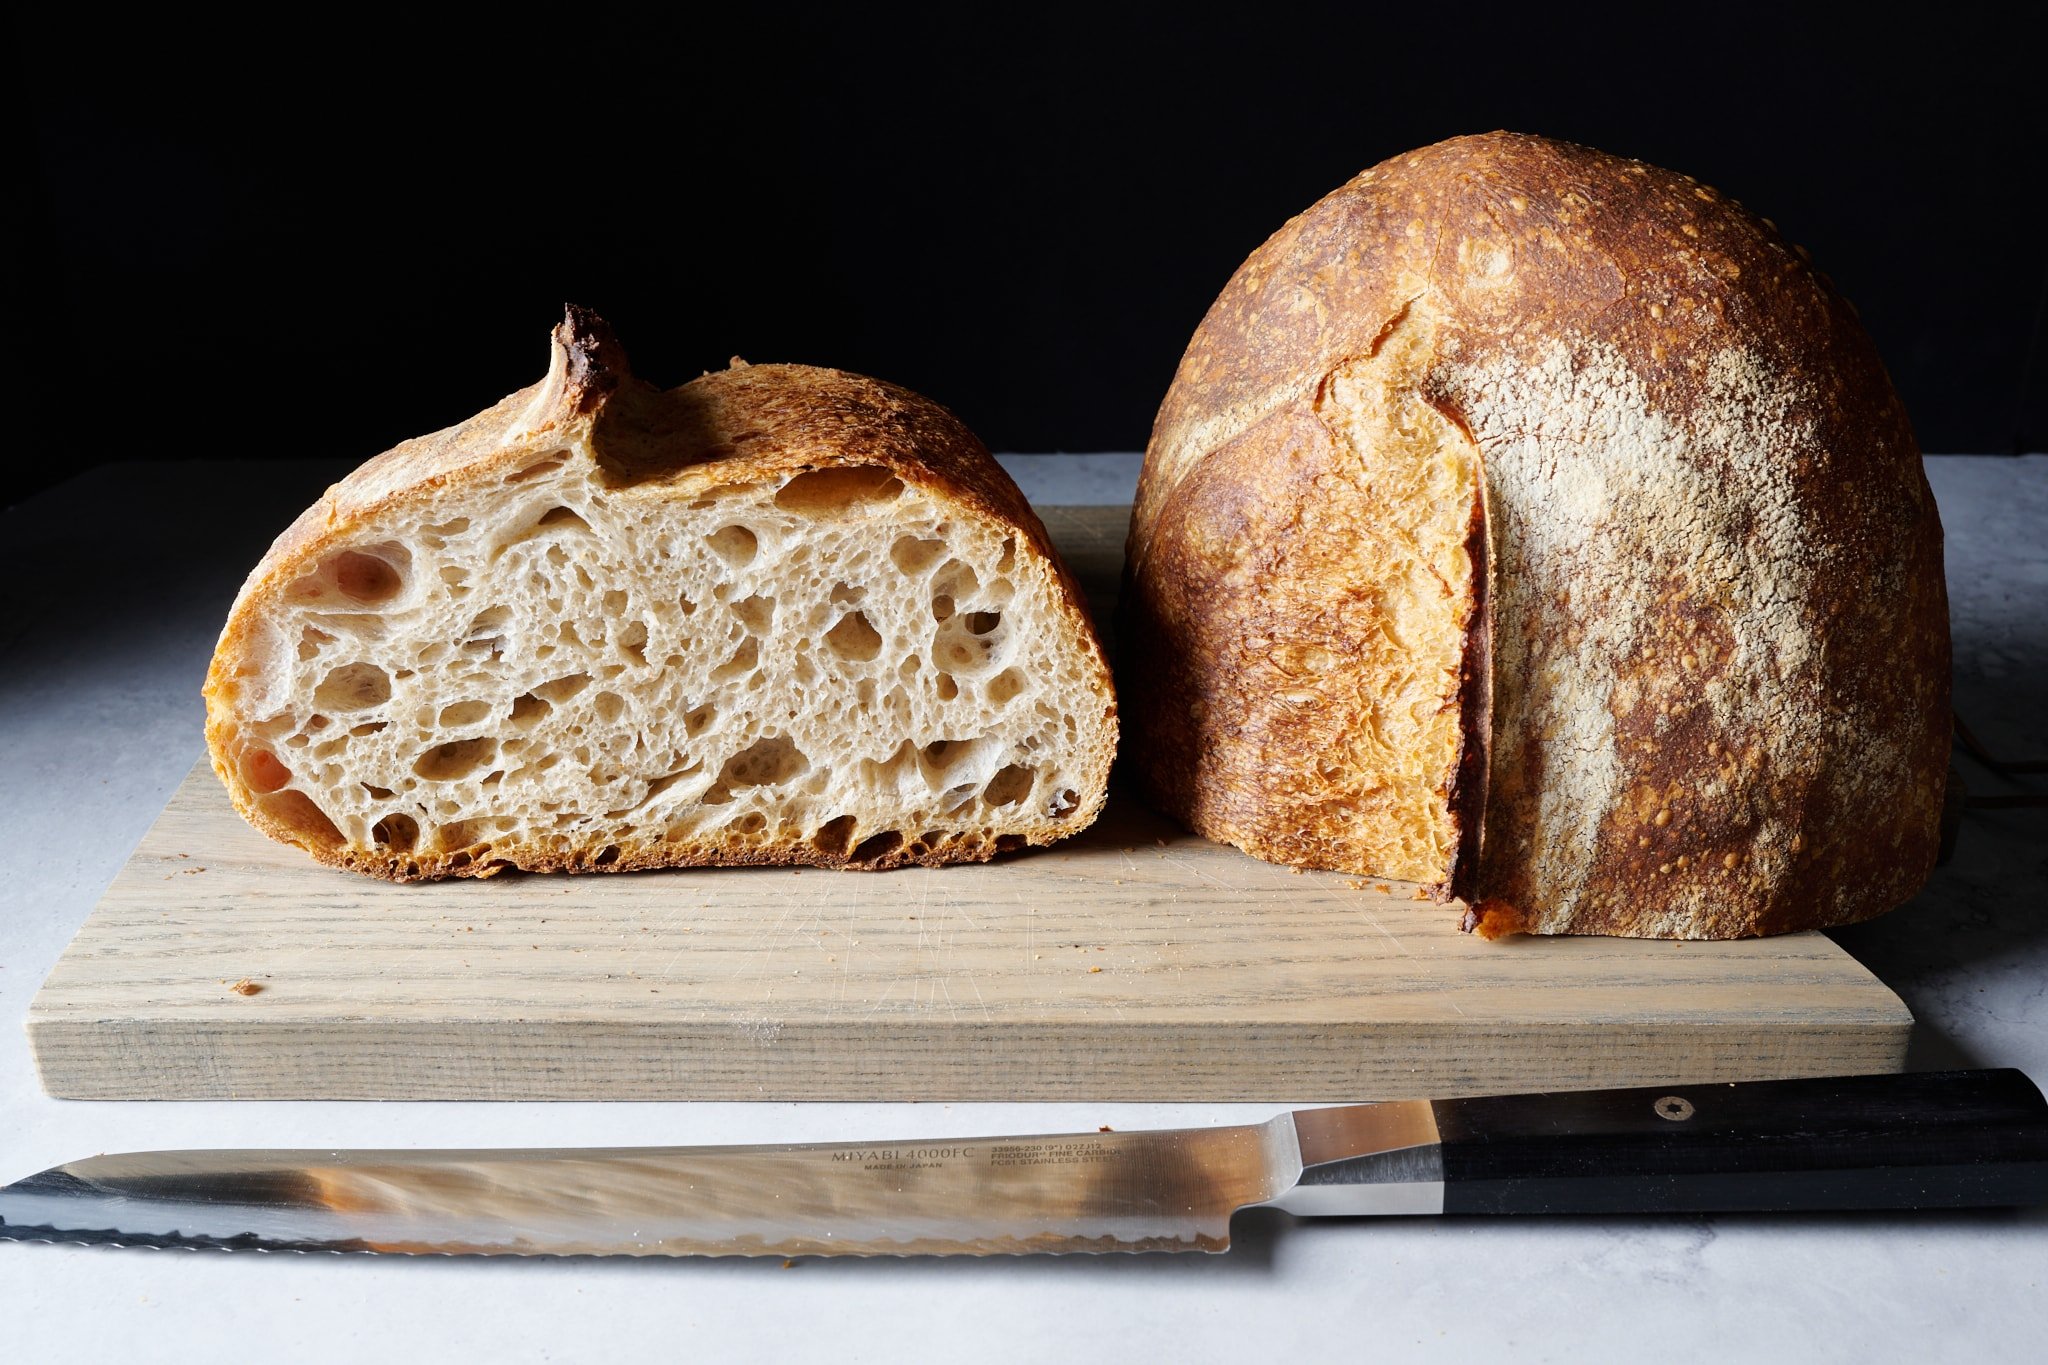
x=1943, y=1139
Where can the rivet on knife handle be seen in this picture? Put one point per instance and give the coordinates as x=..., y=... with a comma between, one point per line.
x=1954, y=1139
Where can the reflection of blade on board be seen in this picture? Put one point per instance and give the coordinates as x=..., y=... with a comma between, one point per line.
x=1150, y=1191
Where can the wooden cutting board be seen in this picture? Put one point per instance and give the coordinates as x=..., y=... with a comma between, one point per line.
x=1134, y=962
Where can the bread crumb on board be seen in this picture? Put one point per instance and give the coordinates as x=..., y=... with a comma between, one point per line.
x=245, y=987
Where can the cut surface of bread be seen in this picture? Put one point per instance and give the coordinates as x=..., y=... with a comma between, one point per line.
x=1541, y=526
x=1421, y=549
x=781, y=615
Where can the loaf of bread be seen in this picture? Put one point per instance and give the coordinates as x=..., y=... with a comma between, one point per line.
x=1541, y=526
x=778, y=615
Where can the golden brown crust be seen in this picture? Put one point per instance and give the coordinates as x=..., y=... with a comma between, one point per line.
x=759, y=422
x=1718, y=623
x=747, y=424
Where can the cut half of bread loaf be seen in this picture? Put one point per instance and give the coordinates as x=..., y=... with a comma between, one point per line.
x=1542, y=526
x=778, y=615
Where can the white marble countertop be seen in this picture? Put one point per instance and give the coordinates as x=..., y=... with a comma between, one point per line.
x=111, y=590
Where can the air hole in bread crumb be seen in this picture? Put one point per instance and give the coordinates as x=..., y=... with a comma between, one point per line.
x=296, y=812
x=455, y=759
x=606, y=856
x=742, y=661
x=396, y=832
x=369, y=578
x=957, y=649
x=983, y=622
x=756, y=613
x=836, y=492
x=528, y=711
x=1009, y=559
x=311, y=641
x=263, y=772
x=1009, y=786
x=854, y=638
x=609, y=706
x=876, y=846
x=834, y=835
x=1065, y=804
x=562, y=519
x=375, y=792
x=768, y=762
x=534, y=471
x=1009, y=843
x=662, y=784
x=1004, y=686
x=717, y=794
x=846, y=593
x=458, y=714
x=947, y=688
x=955, y=582
x=560, y=689
x=751, y=824
x=699, y=720
x=464, y=834
x=736, y=545
x=722, y=493
x=487, y=622
x=633, y=639
x=942, y=754
x=913, y=555
x=942, y=607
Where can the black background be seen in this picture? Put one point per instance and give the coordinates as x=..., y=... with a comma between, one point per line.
x=314, y=240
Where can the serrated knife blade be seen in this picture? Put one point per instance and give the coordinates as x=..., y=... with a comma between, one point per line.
x=1938, y=1140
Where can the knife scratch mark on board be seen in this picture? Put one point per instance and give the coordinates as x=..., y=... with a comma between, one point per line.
x=1448, y=997
x=1199, y=871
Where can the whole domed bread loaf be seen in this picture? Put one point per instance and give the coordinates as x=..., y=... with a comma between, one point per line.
x=1541, y=526
x=778, y=615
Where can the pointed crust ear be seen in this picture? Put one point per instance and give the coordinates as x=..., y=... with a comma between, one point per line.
x=595, y=363
x=586, y=366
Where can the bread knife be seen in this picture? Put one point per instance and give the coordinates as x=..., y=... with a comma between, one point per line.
x=1956, y=1139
